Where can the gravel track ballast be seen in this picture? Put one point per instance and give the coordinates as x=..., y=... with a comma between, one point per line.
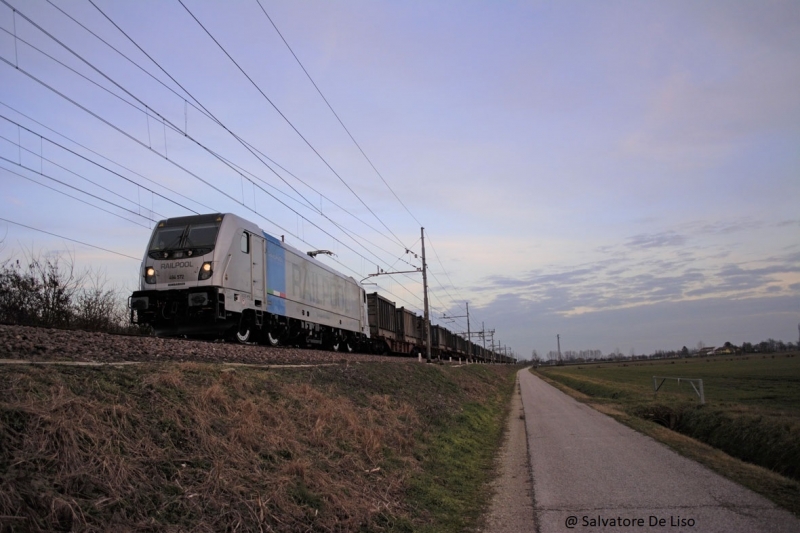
x=44, y=344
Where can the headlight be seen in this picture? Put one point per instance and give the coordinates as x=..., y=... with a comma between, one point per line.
x=205, y=271
x=150, y=275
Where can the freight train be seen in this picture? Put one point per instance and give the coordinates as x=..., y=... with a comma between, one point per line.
x=220, y=276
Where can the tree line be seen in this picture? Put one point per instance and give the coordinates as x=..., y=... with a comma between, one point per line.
x=768, y=346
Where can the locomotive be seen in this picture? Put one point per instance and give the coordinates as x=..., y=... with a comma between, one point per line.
x=220, y=276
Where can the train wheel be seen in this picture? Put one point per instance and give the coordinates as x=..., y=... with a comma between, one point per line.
x=271, y=339
x=342, y=345
x=243, y=334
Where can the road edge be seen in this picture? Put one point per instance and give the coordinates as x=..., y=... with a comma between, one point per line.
x=512, y=505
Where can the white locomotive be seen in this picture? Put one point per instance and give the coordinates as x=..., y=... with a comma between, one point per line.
x=219, y=275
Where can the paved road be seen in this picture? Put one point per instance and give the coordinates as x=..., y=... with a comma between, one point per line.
x=590, y=469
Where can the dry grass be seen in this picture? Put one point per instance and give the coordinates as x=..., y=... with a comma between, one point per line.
x=180, y=447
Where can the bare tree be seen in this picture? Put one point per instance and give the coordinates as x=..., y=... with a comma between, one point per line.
x=98, y=308
x=700, y=345
x=58, y=285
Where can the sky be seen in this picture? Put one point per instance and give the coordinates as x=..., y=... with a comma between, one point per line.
x=625, y=175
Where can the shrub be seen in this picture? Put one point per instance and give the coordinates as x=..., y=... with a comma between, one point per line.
x=47, y=291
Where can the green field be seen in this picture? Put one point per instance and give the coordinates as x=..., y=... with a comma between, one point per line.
x=765, y=384
x=752, y=409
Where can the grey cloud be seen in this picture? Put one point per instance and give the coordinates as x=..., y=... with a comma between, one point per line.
x=784, y=223
x=789, y=260
x=537, y=280
x=656, y=240
x=607, y=285
x=735, y=278
x=729, y=227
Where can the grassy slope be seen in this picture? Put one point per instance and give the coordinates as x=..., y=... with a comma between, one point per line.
x=186, y=446
x=752, y=413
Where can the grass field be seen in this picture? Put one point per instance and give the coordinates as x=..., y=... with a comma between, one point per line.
x=752, y=409
x=765, y=384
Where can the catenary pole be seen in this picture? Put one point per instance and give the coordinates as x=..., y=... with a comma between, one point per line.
x=425, y=290
x=469, y=335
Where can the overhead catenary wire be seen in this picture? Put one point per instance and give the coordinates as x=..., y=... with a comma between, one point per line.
x=71, y=240
x=39, y=172
x=203, y=110
x=173, y=162
x=207, y=113
x=148, y=109
x=74, y=197
x=335, y=114
x=230, y=197
x=106, y=158
x=259, y=214
x=319, y=91
x=92, y=162
x=290, y=123
x=445, y=272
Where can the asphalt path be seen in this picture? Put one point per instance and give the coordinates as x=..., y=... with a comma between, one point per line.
x=591, y=473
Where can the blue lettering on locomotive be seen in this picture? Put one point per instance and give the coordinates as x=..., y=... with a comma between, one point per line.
x=276, y=276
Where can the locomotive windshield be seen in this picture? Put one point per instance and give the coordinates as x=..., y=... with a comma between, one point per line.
x=184, y=236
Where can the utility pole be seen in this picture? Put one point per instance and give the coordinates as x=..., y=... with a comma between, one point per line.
x=469, y=335
x=425, y=290
x=558, y=338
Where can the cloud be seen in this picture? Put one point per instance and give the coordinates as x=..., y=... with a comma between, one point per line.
x=644, y=277
x=657, y=240
x=728, y=227
x=784, y=223
x=666, y=325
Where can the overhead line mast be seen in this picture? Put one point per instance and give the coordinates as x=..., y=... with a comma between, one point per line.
x=425, y=288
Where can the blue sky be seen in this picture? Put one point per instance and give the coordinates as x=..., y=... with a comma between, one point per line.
x=624, y=174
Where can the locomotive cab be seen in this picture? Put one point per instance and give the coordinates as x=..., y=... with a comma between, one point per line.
x=199, y=275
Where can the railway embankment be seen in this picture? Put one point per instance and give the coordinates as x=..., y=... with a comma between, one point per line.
x=182, y=442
